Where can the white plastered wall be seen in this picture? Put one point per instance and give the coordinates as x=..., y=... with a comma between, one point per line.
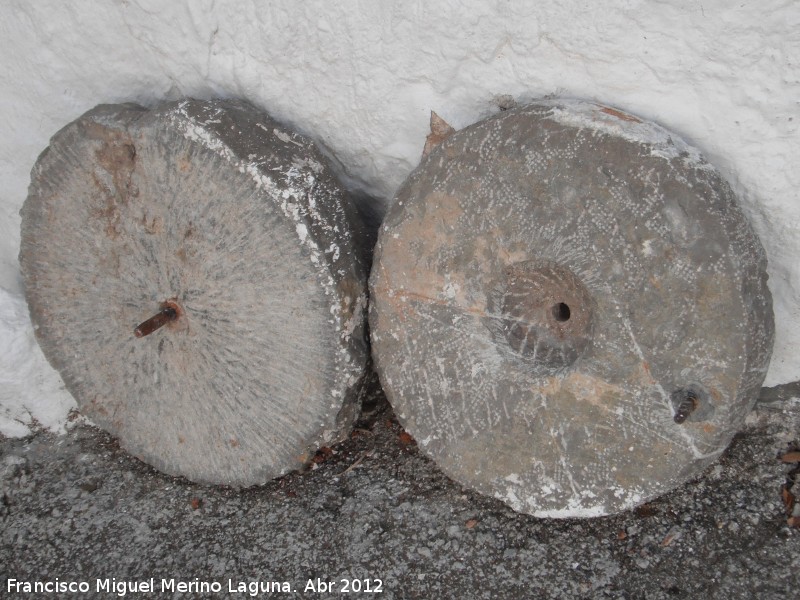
x=362, y=77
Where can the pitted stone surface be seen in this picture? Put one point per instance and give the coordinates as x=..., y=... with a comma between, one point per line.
x=215, y=210
x=545, y=313
x=645, y=281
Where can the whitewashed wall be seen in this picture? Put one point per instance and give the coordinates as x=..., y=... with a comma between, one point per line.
x=361, y=79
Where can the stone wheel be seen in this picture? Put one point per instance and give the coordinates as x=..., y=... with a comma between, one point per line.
x=192, y=274
x=569, y=310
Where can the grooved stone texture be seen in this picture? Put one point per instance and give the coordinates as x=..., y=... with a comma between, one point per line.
x=362, y=81
x=238, y=224
x=569, y=310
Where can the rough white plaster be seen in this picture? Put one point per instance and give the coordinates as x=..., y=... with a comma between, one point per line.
x=362, y=77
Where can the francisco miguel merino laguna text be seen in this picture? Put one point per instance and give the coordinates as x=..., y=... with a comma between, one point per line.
x=122, y=587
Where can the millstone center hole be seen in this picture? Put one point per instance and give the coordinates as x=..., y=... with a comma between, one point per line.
x=561, y=312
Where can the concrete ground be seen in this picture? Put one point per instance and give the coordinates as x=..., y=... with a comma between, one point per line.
x=374, y=514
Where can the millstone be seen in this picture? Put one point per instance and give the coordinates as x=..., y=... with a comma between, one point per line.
x=569, y=310
x=191, y=272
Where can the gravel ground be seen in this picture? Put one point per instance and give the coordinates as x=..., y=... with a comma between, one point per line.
x=374, y=513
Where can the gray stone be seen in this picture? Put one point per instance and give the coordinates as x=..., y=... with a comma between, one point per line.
x=232, y=229
x=278, y=532
x=569, y=309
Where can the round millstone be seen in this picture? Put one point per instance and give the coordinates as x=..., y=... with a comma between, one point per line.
x=569, y=310
x=192, y=274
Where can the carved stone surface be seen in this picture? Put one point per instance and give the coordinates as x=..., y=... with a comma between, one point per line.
x=233, y=230
x=569, y=310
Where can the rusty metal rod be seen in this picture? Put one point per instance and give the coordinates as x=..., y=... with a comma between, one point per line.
x=164, y=316
x=686, y=407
